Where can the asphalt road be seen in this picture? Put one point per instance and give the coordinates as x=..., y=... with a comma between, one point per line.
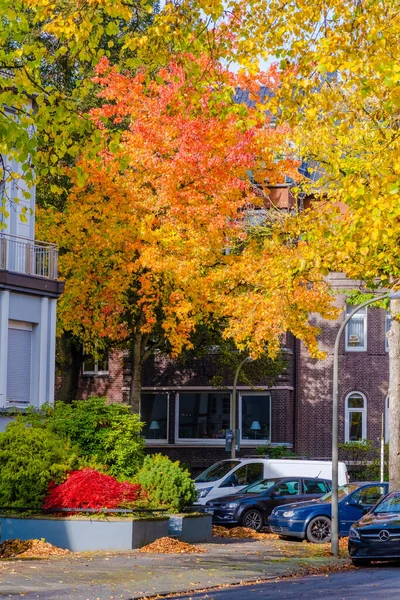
x=381, y=580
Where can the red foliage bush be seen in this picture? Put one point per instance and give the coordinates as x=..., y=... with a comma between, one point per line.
x=90, y=489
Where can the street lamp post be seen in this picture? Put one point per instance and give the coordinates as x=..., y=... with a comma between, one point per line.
x=234, y=404
x=335, y=421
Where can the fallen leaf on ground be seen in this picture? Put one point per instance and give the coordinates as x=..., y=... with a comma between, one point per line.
x=325, y=549
x=241, y=532
x=166, y=545
x=29, y=549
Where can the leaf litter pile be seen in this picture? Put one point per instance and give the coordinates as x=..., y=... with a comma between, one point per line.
x=241, y=532
x=325, y=549
x=166, y=545
x=29, y=549
x=310, y=549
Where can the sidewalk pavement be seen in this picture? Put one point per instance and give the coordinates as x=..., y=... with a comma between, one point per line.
x=133, y=575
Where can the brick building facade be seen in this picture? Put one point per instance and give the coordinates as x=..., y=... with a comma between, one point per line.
x=186, y=417
x=363, y=381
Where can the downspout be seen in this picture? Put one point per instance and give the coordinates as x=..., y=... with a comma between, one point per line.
x=296, y=356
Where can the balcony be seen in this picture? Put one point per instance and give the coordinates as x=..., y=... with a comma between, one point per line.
x=28, y=257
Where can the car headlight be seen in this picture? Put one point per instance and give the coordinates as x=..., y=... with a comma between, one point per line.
x=288, y=514
x=353, y=534
x=204, y=492
x=230, y=505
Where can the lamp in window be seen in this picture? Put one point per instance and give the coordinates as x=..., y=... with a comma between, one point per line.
x=154, y=426
x=255, y=426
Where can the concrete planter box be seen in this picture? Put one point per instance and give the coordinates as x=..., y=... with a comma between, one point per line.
x=145, y=532
x=80, y=535
x=191, y=528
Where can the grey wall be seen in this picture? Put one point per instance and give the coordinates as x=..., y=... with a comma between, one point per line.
x=41, y=313
x=85, y=535
x=74, y=535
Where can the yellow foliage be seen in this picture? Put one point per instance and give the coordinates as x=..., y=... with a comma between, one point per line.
x=155, y=234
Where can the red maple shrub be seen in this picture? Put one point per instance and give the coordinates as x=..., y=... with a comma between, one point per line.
x=90, y=489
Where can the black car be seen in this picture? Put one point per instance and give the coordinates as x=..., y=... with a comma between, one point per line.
x=376, y=536
x=252, y=506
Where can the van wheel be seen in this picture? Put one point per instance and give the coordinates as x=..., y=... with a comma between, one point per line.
x=253, y=519
x=319, y=530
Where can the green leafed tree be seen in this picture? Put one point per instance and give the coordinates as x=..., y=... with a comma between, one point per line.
x=166, y=483
x=107, y=435
x=31, y=457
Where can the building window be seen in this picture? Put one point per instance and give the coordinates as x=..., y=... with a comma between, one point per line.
x=203, y=415
x=356, y=417
x=91, y=366
x=19, y=363
x=154, y=414
x=388, y=322
x=256, y=417
x=356, y=330
x=387, y=419
x=255, y=217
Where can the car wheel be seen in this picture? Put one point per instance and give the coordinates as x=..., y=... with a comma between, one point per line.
x=361, y=562
x=319, y=530
x=253, y=519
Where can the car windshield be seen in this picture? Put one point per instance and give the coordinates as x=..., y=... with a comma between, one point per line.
x=390, y=504
x=259, y=487
x=343, y=491
x=217, y=471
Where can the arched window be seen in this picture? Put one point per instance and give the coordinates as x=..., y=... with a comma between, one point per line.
x=387, y=419
x=355, y=417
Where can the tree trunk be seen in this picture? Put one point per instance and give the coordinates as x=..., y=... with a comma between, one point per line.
x=136, y=380
x=138, y=356
x=394, y=397
x=69, y=359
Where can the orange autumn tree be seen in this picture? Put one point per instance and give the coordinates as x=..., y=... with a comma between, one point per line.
x=145, y=234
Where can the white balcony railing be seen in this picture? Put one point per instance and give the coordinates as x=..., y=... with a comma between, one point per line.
x=22, y=255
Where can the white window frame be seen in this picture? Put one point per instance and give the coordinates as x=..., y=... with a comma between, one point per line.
x=196, y=441
x=96, y=368
x=363, y=411
x=246, y=442
x=364, y=317
x=387, y=419
x=158, y=441
x=388, y=323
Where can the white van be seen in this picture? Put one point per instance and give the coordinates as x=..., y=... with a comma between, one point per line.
x=231, y=475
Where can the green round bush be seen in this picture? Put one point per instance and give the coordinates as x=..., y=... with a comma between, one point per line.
x=31, y=457
x=108, y=435
x=166, y=483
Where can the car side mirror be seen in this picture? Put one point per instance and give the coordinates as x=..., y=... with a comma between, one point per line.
x=275, y=494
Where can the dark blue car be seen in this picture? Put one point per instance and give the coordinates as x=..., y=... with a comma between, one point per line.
x=252, y=505
x=376, y=535
x=312, y=520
